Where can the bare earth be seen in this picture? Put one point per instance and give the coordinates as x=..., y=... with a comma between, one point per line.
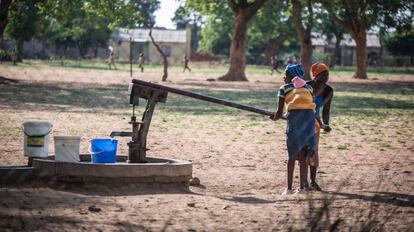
x=366, y=171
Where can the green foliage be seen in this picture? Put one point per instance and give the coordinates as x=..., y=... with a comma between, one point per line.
x=184, y=18
x=270, y=22
x=394, y=14
x=205, y=7
x=401, y=44
x=77, y=23
x=4, y=55
x=23, y=21
x=322, y=57
x=216, y=34
x=326, y=25
x=129, y=14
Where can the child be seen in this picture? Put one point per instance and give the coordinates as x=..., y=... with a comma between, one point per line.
x=296, y=97
x=323, y=94
x=111, y=58
x=185, y=63
x=274, y=65
x=141, y=61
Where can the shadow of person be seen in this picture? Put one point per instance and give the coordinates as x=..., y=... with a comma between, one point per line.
x=247, y=200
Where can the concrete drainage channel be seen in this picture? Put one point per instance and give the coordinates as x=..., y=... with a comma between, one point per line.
x=156, y=170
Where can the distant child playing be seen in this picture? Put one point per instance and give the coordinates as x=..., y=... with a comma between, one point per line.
x=296, y=97
x=323, y=94
x=141, y=61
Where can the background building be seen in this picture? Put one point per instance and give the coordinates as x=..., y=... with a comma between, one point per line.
x=347, y=50
x=174, y=43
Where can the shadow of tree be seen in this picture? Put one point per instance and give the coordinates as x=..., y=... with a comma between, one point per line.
x=35, y=222
x=391, y=198
x=56, y=96
x=61, y=98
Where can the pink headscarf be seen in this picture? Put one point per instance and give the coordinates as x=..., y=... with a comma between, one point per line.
x=298, y=82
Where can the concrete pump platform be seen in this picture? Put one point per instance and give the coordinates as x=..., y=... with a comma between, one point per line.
x=156, y=170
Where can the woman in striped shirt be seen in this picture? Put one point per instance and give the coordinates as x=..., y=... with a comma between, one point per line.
x=296, y=98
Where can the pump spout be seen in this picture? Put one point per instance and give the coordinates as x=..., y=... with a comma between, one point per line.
x=120, y=134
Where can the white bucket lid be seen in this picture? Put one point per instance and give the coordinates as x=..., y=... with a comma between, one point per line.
x=37, y=127
x=64, y=137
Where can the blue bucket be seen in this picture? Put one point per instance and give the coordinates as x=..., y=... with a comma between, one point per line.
x=103, y=150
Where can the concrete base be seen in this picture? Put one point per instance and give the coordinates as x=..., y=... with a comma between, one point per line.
x=16, y=174
x=156, y=170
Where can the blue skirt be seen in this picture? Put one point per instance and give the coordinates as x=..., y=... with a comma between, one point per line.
x=300, y=132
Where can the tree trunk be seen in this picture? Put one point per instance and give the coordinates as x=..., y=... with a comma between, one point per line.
x=361, y=54
x=381, y=52
x=335, y=52
x=304, y=36
x=306, y=55
x=355, y=25
x=243, y=12
x=237, y=50
x=44, y=45
x=19, y=49
x=164, y=57
x=4, y=12
x=272, y=48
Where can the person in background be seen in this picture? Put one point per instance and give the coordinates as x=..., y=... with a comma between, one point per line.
x=13, y=56
x=274, y=65
x=111, y=58
x=141, y=61
x=297, y=98
x=185, y=63
x=323, y=94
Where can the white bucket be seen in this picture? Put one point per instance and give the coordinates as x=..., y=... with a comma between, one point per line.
x=67, y=148
x=36, y=138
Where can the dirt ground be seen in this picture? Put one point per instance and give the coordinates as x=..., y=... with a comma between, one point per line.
x=366, y=170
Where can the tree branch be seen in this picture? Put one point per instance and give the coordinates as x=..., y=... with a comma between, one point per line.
x=253, y=8
x=233, y=5
x=164, y=57
x=310, y=17
x=297, y=18
x=337, y=20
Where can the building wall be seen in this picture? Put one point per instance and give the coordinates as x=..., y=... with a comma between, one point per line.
x=176, y=52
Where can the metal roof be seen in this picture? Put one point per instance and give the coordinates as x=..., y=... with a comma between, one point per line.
x=320, y=40
x=141, y=35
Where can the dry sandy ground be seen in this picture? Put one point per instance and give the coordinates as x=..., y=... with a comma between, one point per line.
x=367, y=176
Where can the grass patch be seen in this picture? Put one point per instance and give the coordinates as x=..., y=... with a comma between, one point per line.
x=101, y=64
x=384, y=145
x=361, y=105
x=343, y=146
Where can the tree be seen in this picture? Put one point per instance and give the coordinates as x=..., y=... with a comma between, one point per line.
x=164, y=57
x=303, y=31
x=216, y=33
x=356, y=20
x=402, y=44
x=265, y=37
x=269, y=29
x=184, y=18
x=327, y=27
x=125, y=13
x=243, y=11
x=356, y=17
x=4, y=13
x=23, y=22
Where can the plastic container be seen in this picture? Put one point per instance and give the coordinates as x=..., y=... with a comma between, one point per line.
x=67, y=148
x=103, y=150
x=36, y=138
